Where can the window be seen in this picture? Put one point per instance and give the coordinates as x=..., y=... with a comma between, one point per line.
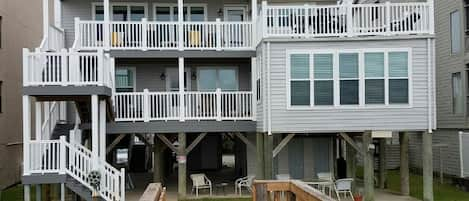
x=125, y=79
x=258, y=81
x=169, y=12
x=323, y=79
x=374, y=78
x=398, y=78
x=235, y=13
x=121, y=11
x=455, y=23
x=299, y=80
x=351, y=78
x=1, y=21
x=349, y=81
x=457, y=93
x=466, y=7
x=225, y=78
x=1, y=97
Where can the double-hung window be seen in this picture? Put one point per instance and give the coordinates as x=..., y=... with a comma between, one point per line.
x=348, y=78
x=398, y=77
x=374, y=78
x=323, y=68
x=300, y=80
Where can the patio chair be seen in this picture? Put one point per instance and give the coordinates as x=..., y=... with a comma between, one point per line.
x=200, y=181
x=343, y=186
x=328, y=177
x=244, y=182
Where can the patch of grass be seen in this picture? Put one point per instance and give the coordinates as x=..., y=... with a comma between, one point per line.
x=442, y=192
x=218, y=199
x=14, y=193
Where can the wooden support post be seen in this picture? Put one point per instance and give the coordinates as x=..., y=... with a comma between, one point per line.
x=268, y=159
x=38, y=192
x=404, y=169
x=368, y=167
x=382, y=163
x=27, y=192
x=351, y=162
x=157, y=162
x=182, y=165
x=427, y=158
x=260, y=156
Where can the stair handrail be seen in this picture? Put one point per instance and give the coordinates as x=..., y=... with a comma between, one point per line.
x=113, y=180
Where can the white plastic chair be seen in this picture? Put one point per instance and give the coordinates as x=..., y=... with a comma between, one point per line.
x=200, y=181
x=244, y=182
x=343, y=186
x=326, y=176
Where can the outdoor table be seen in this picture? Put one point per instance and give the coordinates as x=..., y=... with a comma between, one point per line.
x=222, y=186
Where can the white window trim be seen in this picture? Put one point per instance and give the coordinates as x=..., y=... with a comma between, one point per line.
x=336, y=92
x=128, y=4
x=134, y=74
x=235, y=68
x=175, y=5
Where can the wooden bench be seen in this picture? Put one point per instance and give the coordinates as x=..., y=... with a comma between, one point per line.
x=154, y=192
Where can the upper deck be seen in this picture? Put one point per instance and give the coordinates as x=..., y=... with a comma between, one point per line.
x=234, y=27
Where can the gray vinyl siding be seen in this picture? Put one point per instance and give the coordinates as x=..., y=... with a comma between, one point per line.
x=337, y=119
x=148, y=72
x=448, y=64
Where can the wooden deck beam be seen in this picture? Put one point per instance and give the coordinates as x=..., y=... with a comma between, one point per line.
x=195, y=143
x=246, y=141
x=282, y=144
x=167, y=142
x=114, y=143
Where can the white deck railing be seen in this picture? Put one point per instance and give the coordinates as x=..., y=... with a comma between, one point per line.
x=61, y=157
x=164, y=35
x=151, y=106
x=67, y=68
x=347, y=20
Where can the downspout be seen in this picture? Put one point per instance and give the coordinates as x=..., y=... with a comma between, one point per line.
x=430, y=85
x=434, y=82
x=269, y=107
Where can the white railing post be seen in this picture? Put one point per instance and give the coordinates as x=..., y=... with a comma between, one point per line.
x=388, y=18
x=100, y=67
x=264, y=20
x=349, y=8
x=77, y=44
x=62, y=153
x=218, y=96
x=63, y=65
x=146, y=105
x=218, y=34
x=74, y=67
x=431, y=15
x=26, y=67
x=144, y=34
x=26, y=134
x=122, y=182
x=180, y=25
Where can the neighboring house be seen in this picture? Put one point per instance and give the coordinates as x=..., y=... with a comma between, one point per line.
x=17, y=30
x=296, y=85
